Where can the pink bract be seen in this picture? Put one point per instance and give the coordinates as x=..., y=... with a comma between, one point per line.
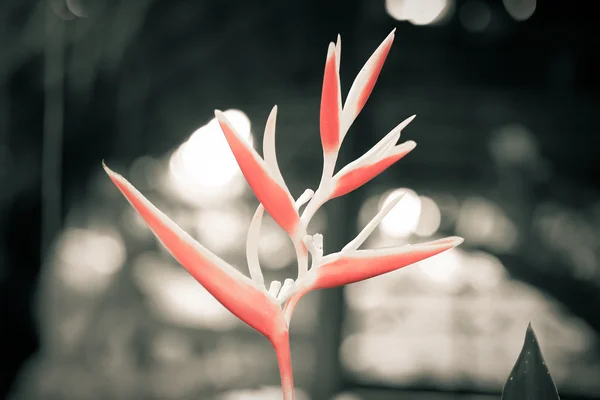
x=269, y=310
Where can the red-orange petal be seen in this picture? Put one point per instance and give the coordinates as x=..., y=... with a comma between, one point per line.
x=365, y=82
x=229, y=286
x=331, y=107
x=364, y=264
x=276, y=199
x=355, y=178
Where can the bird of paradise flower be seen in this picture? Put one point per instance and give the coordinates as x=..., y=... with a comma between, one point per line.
x=269, y=310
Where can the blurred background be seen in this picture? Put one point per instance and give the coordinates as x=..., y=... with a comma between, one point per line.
x=507, y=98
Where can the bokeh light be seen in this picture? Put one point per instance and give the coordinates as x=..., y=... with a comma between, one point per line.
x=465, y=303
x=87, y=259
x=444, y=267
x=430, y=218
x=482, y=222
x=204, y=168
x=520, y=10
x=419, y=12
x=223, y=229
x=403, y=219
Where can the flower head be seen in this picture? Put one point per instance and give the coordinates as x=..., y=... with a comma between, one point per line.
x=249, y=298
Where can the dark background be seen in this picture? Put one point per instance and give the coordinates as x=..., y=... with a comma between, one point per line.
x=83, y=81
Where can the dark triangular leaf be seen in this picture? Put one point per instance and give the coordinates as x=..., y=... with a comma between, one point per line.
x=530, y=378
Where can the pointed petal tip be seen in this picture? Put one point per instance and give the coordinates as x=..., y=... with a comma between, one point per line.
x=272, y=115
x=448, y=242
x=452, y=241
x=220, y=115
x=338, y=52
x=114, y=177
x=331, y=50
x=390, y=37
x=404, y=123
x=395, y=200
x=112, y=174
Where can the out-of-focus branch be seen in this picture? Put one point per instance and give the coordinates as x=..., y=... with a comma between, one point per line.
x=53, y=127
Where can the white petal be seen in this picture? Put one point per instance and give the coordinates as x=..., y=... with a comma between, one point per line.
x=269, y=152
x=338, y=52
x=286, y=290
x=304, y=197
x=274, y=288
x=252, y=243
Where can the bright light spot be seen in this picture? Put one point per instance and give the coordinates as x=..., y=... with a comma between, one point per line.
x=204, y=167
x=418, y=12
x=482, y=222
x=475, y=15
x=177, y=297
x=444, y=267
x=240, y=121
x=520, y=10
x=223, y=230
x=367, y=211
x=87, y=259
x=431, y=217
x=403, y=219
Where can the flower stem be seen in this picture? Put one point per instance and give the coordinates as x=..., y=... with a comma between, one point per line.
x=313, y=206
x=282, y=349
x=302, y=257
